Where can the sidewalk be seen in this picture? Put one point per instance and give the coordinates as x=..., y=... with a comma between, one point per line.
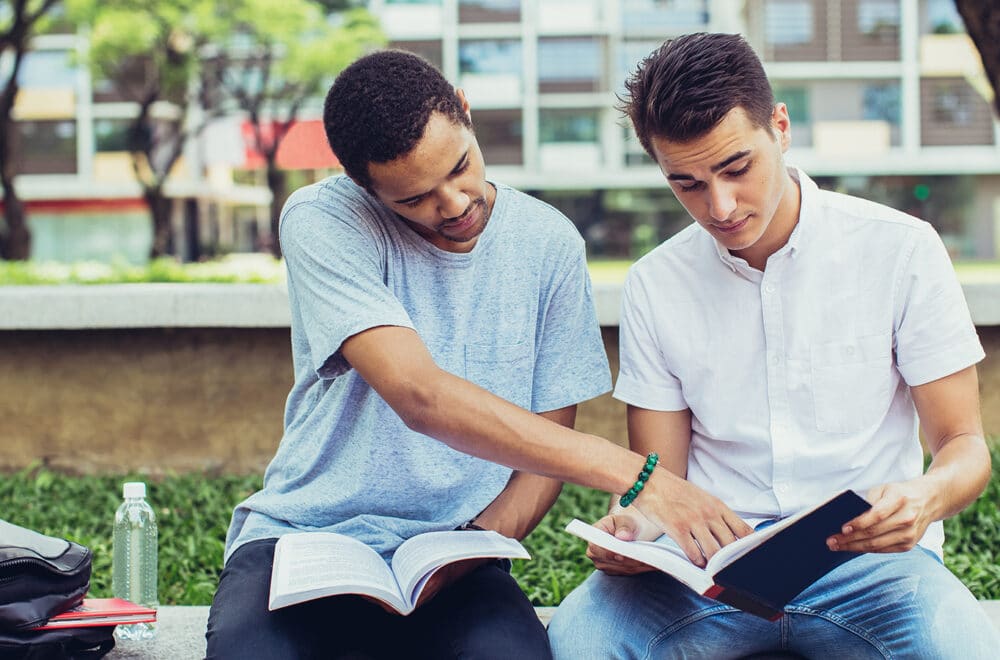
x=181, y=633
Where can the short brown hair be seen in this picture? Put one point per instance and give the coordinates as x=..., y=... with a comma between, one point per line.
x=686, y=86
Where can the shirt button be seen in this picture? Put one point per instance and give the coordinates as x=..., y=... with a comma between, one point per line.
x=849, y=351
x=775, y=359
x=769, y=288
x=783, y=488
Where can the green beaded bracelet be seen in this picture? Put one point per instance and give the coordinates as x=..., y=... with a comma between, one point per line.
x=640, y=483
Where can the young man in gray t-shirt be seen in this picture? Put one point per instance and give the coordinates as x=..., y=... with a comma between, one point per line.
x=443, y=331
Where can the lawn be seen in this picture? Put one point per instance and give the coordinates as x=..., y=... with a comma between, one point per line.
x=194, y=511
x=262, y=268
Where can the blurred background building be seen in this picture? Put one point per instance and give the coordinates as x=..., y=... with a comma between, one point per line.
x=887, y=97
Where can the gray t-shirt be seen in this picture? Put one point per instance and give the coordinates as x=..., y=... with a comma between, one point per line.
x=514, y=315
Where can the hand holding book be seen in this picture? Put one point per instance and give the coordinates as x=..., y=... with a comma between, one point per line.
x=759, y=573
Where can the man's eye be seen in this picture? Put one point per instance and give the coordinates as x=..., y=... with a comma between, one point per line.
x=743, y=170
x=691, y=186
x=413, y=202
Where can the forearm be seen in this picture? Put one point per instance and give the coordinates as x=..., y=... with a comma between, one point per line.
x=527, y=497
x=472, y=420
x=957, y=475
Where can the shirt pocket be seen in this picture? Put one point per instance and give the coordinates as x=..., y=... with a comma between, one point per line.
x=506, y=370
x=851, y=383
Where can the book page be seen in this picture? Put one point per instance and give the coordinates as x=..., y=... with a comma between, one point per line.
x=418, y=557
x=311, y=565
x=663, y=557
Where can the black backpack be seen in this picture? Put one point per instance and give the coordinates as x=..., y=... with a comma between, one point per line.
x=41, y=576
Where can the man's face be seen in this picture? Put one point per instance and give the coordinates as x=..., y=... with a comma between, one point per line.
x=734, y=183
x=439, y=188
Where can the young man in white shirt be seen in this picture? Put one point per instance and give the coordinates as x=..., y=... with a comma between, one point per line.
x=778, y=350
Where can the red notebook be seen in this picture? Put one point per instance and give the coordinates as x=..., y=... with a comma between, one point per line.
x=100, y=612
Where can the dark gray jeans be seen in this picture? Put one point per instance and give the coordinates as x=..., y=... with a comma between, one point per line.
x=483, y=615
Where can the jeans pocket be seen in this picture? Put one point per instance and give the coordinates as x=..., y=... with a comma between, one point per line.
x=505, y=370
x=851, y=383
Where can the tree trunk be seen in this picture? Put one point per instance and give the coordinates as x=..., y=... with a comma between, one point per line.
x=15, y=245
x=277, y=183
x=982, y=22
x=159, y=210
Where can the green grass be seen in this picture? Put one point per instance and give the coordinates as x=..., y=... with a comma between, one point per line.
x=243, y=268
x=262, y=268
x=193, y=514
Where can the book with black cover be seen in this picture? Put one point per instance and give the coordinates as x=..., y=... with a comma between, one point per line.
x=759, y=573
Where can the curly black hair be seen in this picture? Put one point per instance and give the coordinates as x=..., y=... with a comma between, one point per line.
x=378, y=108
x=687, y=85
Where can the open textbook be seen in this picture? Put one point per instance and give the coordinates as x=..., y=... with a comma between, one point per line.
x=759, y=573
x=311, y=565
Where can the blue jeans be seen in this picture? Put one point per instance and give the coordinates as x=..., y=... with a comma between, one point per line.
x=902, y=605
x=483, y=615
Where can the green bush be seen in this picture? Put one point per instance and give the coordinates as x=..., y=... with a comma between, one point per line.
x=244, y=268
x=193, y=514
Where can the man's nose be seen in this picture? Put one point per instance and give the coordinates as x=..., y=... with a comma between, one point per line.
x=721, y=202
x=453, y=202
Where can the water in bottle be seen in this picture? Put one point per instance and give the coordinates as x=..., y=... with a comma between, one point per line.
x=133, y=575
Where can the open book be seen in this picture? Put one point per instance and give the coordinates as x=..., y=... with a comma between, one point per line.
x=759, y=573
x=311, y=565
x=100, y=612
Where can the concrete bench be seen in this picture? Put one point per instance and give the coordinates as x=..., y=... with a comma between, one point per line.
x=181, y=633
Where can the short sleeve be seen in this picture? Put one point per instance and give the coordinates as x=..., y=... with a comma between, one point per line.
x=934, y=333
x=571, y=364
x=336, y=279
x=644, y=376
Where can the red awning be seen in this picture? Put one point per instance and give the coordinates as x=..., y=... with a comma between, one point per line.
x=303, y=148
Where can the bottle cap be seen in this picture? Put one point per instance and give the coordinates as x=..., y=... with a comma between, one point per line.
x=133, y=489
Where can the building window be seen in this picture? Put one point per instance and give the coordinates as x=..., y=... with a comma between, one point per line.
x=570, y=65
x=942, y=17
x=489, y=11
x=499, y=133
x=560, y=125
x=46, y=147
x=111, y=134
x=429, y=49
x=952, y=104
x=673, y=17
x=797, y=101
x=881, y=102
x=879, y=19
x=788, y=22
x=47, y=69
x=495, y=56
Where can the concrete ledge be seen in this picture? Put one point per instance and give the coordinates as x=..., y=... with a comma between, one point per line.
x=182, y=633
x=105, y=306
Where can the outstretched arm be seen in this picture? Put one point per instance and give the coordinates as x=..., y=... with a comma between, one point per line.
x=429, y=400
x=949, y=417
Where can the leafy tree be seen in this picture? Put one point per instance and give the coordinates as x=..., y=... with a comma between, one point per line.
x=19, y=21
x=148, y=51
x=282, y=55
x=982, y=22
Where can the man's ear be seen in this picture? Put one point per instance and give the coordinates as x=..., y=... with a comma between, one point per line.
x=464, y=101
x=781, y=124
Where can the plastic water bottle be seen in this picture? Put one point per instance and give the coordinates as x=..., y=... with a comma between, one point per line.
x=133, y=573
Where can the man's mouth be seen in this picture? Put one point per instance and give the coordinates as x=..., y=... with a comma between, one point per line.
x=732, y=226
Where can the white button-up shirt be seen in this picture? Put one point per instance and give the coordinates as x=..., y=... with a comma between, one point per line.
x=798, y=377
